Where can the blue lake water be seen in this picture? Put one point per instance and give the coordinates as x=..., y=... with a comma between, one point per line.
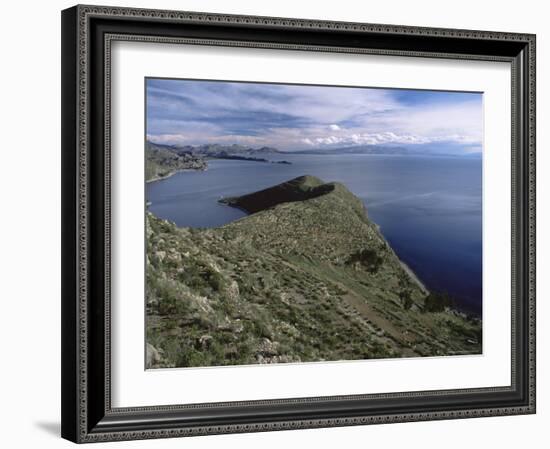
x=428, y=208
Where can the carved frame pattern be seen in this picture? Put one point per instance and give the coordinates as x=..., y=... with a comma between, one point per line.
x=76, y=366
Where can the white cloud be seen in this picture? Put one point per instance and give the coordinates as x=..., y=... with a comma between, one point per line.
x=313, y=116
x=368, y=139
x=459, y=122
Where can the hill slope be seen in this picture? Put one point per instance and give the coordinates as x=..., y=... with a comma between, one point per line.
x=161, y=161
x=216, y=150
x=307, y=277
x=298, y=189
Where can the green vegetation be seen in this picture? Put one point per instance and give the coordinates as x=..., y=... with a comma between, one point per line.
x=437, y=302
x=307, y=277
x=162, y=161
x=368, y=258
x=216, y=150
x=299, y=189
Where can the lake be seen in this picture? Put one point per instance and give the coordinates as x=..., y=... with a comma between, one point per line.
x=429, y=208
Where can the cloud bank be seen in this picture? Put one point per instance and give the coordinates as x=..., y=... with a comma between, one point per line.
x=296, y=117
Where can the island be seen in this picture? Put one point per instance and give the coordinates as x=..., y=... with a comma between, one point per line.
x=306, y=276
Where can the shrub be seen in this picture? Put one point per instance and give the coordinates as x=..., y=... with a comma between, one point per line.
x=215, y=280
x=406, y=299
x=171, y=301
x=189, y=356
x=369, y=258
x=437, y=302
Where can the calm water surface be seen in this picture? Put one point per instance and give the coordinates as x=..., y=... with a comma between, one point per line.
x=428, y=208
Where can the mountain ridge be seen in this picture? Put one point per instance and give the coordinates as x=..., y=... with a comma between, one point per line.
x=213, y=150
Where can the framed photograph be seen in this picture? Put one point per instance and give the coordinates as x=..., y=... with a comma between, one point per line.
x=278, y=223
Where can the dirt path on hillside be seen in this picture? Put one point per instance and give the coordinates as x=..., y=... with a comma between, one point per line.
x=372, y=315
x=362, y=307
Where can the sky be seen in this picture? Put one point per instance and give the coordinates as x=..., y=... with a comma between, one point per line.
x=300, y=117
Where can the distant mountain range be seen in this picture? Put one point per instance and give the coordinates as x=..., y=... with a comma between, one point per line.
x=216, y=150
x=358, y=149
x=164, y=160
x=417, y=150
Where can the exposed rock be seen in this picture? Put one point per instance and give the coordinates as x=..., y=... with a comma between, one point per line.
x=267, y=348
x=205, y=340
x=152, y=356
x=232, y=290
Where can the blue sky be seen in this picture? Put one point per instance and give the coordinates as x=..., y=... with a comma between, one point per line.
x=297, y=117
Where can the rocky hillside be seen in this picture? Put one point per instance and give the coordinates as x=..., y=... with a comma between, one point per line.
x=161, y=161
x=306, y=277
x=217, y=150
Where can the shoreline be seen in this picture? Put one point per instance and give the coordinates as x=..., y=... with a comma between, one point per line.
x=161, y=178
x=465, y=303
x=413, y=276
x=169, y=175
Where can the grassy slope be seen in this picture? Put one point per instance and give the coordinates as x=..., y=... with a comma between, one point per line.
x=302, y=281
x=161, y=162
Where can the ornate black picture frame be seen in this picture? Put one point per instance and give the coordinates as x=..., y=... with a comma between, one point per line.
x=87, y=34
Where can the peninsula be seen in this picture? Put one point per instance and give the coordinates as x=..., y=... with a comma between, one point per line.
x=305, y=277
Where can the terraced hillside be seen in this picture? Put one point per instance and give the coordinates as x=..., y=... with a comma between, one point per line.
x=306, y=277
